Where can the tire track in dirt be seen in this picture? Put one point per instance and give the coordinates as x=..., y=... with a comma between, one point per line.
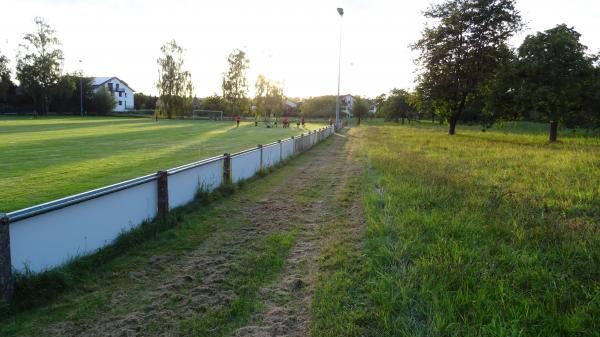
x=170, y=290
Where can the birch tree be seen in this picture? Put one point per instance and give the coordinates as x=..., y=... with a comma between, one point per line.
x=174, y=84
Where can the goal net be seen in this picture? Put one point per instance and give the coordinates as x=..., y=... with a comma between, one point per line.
x=208, y=114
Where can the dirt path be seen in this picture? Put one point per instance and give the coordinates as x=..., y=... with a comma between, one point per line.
x=171, y=290
x=288, y=299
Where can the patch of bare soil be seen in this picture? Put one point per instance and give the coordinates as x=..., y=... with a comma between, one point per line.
x=168, y=290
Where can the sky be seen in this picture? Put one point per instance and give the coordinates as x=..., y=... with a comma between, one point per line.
x=293, y=42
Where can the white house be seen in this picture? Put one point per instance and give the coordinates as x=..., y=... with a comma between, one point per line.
x=346, y=104
x=119, y=89
x=372, y=108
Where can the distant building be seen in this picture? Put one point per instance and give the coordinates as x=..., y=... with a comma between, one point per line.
x=346, y=104
x=372, y=108
x=197, y=103
x=119, y=89
x=292, y=108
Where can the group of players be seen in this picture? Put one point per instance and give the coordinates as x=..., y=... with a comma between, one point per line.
x=286, y=122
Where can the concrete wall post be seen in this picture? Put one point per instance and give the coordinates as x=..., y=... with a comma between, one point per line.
x=6, y=280
x=226, y=168
x=162, y=184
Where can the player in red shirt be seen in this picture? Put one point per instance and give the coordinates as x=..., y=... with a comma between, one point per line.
x=302, y=121
x=330, y=121
x=237, y=121
x=285, y=122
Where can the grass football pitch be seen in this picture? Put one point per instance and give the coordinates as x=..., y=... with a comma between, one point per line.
x=50, y=158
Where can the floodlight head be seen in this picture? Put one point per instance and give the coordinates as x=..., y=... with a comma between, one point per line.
x=340, y=11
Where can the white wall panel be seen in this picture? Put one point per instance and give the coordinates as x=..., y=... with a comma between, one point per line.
x=50, y=239
x=271, y=155
x=184, y=185
x=287, y=148
x=245, y=165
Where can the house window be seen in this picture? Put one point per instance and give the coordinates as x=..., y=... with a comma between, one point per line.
x=110, y=87
x=120, y=102
x=117, y=87
x=120, y=93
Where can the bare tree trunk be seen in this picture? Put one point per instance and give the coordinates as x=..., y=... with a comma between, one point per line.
x=553, y=131
x=452, y=125
x=455, y=115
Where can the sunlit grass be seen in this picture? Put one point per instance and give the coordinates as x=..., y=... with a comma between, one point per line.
x=491, y=233
x=49, y=158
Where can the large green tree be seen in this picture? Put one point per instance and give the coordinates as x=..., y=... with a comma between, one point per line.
x=144, y=102
x=66, y=95
x=398, y=106
x=103, y=102
x=269, y=99
x=174, y=84
x=422, y=102
x=320, y=106
x=360, y=108
x=556, y=74
x=461, y=49
x=592, y=104
x=379, y=101
x=213, y=103
x=5, y=81
x=235, y=83
x=39, y=63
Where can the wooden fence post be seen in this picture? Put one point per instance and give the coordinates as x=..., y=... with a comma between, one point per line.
x=260, y=148
x=226, y=168
x=162, y=184
x=6, y=281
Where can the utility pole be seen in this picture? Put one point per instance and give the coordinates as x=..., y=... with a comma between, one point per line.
x=337, y=99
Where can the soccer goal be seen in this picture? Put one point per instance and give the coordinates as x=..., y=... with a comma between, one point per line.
x=208, y=114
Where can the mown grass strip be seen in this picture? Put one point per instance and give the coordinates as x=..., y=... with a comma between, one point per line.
x=255, y=268
x=340, y=299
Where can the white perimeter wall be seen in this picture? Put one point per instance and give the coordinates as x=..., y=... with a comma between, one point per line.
x=245, y=165
x=271, y=155
x=184, y=185
x=50, y=239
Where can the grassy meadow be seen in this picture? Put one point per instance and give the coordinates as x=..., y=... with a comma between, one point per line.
x=50, y=158
x=491, y=233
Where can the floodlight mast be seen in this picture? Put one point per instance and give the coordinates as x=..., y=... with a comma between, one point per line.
x=337, y=99
x=80, y=91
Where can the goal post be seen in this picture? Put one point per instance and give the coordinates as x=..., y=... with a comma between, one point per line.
x=207, y=114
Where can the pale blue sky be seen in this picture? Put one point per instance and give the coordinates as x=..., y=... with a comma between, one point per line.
x=294, y=42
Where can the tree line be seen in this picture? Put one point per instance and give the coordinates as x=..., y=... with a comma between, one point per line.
x=175, y=89
x=469, y=73
x=43, y=85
